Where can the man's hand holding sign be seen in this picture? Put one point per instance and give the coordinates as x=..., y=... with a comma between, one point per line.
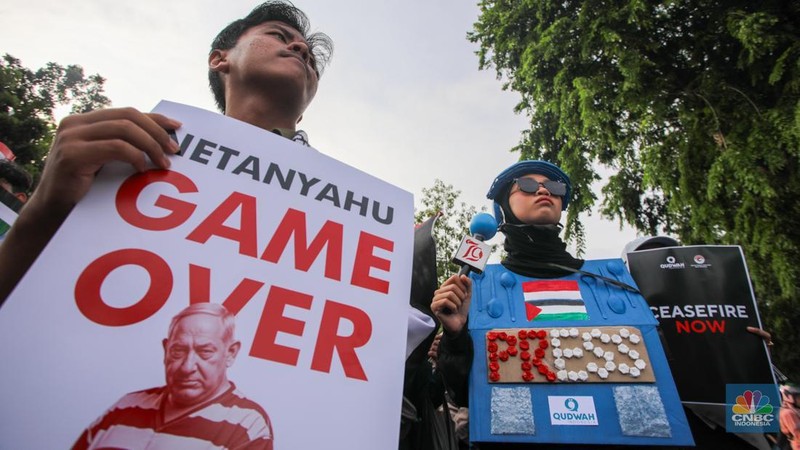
x=83, y=144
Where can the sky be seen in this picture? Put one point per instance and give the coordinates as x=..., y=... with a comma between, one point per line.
x=403, y=98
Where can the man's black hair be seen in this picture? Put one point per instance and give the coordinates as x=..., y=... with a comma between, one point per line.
x=16, y=176
x=319, y=44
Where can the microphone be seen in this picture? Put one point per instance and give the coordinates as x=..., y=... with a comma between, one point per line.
x=473, y=253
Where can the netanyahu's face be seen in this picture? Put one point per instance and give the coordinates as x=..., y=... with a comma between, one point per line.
x=196, y=359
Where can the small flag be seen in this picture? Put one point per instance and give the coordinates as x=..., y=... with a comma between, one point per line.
x=6, y=153
x=9, y=208
x=423, y=278
x=553, y=300
x=423, y=285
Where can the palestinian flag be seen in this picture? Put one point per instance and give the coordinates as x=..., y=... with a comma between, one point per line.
x=9, y=208
x=549, y=300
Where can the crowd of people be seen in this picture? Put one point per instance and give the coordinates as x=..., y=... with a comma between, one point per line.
x=264, y=69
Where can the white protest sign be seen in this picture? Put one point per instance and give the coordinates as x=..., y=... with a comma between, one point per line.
x=312, y=256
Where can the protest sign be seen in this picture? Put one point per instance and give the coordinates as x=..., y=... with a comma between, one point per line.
x=312, y=256
x=703, y=300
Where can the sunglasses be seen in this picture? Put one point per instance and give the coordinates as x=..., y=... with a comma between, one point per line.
x=531, y=186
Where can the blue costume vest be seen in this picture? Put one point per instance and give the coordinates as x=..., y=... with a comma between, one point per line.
x=569, y=360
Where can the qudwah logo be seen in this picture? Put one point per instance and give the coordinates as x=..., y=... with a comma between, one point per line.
x=752, y=409
x=672, y=264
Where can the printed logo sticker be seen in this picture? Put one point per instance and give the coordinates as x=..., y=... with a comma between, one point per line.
x=700, y=262
x=751, y=408
x=672, y=263
x=473, y=253
x=572, y=410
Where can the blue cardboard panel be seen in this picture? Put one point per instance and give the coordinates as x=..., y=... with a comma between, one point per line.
x=624, y=413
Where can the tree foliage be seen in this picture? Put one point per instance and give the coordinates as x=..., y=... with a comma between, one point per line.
x=28, y=100
x=694, y=107
x=450, y=227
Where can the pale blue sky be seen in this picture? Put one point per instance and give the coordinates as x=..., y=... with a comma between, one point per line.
x=403, y=98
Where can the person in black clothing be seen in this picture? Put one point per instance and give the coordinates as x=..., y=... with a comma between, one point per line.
x=426, y=424
x=529, y=199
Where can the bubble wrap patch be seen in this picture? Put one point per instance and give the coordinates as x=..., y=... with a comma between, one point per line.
x=641, y=412
x=512, y=411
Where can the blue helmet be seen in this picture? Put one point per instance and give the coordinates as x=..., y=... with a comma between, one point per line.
x=522, y=168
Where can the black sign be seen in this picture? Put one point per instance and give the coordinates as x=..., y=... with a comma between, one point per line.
x=702, y=297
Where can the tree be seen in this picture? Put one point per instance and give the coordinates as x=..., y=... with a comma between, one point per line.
x=28, y=100
x=693, y=106
x=450, y=227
